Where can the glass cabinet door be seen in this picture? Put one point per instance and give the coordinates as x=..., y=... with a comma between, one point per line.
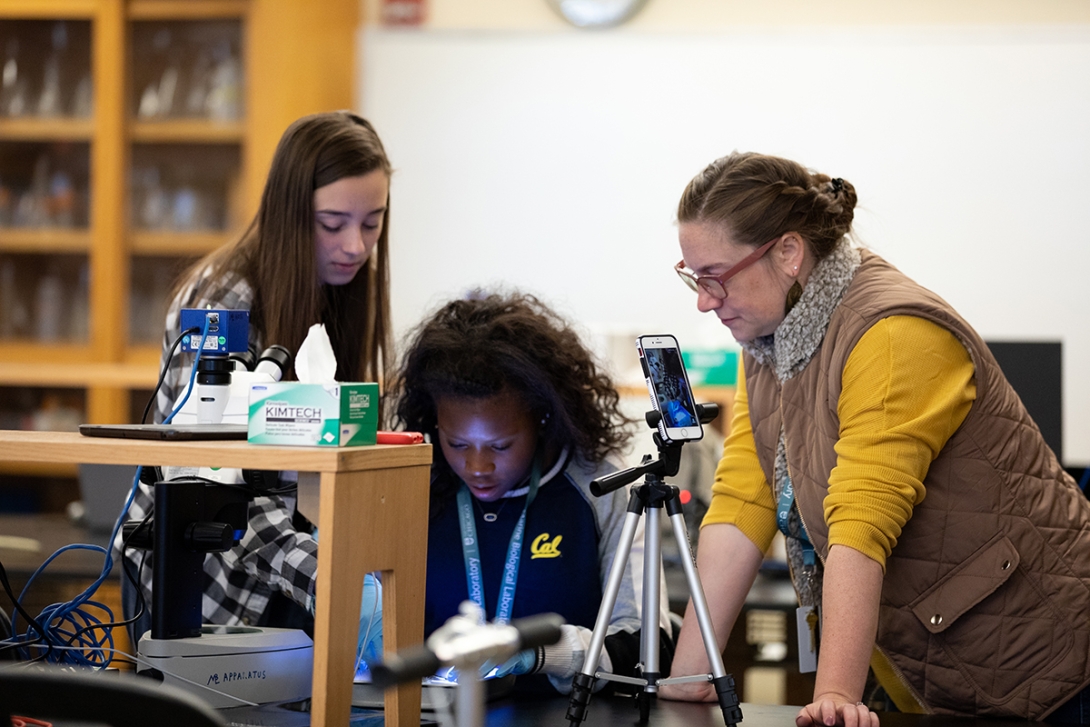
x=46, y=70
x=44, y=185
x=182, y=188
x=185, y=104
x=46, y=105
x=187, y=69
x=44, y=298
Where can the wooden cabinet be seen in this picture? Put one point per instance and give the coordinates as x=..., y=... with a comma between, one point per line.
x=135, y=136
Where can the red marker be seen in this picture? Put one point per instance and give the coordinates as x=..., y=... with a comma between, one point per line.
x=399, y=438
x=685, y=496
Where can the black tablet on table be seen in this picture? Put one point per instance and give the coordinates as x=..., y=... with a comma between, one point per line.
x=172, y=432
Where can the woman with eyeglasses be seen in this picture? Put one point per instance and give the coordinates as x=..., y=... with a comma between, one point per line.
x=931, y=533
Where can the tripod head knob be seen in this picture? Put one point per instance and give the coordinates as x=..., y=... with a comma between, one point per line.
x=666, y=465
x=611, y=482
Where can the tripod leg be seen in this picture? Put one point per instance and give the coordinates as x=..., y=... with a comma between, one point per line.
x=643, y=703
x=581, y=687
x=723, y=682
x=649, y=623
x=583, y=683
x=649, y=636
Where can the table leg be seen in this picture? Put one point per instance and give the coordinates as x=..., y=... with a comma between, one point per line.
x=374, y=520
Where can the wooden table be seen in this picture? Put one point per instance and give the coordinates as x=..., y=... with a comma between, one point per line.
x=603, y=710
x=372, y=514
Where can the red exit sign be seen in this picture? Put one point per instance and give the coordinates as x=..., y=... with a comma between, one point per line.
x=404, y=12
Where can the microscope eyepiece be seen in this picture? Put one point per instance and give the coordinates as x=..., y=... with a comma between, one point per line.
x=247, y=358
x=274, y=361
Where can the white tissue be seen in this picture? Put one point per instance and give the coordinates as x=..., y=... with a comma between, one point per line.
x=316, y=363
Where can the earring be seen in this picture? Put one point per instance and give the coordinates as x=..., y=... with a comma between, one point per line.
x=796, y=268
x=793, y=295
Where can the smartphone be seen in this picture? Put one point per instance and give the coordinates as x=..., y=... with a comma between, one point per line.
x=668, y=385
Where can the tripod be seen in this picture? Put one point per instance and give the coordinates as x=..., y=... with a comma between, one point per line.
x=651, y=497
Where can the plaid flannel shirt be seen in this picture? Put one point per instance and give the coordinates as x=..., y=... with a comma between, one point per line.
x=272, y=555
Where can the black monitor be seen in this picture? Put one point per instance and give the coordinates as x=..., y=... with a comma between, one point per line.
x=1035, y=370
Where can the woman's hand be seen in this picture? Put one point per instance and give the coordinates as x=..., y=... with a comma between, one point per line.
x=689, y=691
x=852, y=588
x=835, y=709
x=690, y=658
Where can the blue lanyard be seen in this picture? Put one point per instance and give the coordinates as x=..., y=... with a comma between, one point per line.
x=783, y=512
x=471, y=551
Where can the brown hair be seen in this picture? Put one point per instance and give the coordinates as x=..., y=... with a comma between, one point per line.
x=276, y=253
x=760, y=197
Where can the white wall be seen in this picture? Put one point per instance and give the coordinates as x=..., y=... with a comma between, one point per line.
x=553, y=161
x=705, y=15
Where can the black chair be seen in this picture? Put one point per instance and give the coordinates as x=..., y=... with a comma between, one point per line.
x=118, y=699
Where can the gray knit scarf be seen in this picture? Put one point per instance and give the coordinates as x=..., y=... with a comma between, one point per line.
x=788, y=350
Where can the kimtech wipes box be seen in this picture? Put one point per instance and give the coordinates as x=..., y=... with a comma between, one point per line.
x=328, y=415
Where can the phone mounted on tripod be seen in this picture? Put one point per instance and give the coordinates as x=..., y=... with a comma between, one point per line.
x=667, y=382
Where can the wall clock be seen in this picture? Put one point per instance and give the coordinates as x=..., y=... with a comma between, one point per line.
x=596, y=13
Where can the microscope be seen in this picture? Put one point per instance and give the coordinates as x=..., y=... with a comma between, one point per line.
x=223, y=665
x=466, y=641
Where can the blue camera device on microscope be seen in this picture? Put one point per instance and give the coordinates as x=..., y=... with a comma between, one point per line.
x=228, y=331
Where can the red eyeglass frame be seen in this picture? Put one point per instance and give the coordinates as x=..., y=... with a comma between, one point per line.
x=697, y=282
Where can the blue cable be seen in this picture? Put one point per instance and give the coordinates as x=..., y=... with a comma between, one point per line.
x=192, y=375
x=55, y=617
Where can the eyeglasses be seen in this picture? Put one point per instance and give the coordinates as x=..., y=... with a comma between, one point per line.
x=716, y=285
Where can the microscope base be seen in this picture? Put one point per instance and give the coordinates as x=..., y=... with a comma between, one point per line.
x=236, y=663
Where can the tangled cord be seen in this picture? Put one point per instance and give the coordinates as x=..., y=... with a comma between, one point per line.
x=71, y=632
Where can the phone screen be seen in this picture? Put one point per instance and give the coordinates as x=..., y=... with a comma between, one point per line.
x=669, y=387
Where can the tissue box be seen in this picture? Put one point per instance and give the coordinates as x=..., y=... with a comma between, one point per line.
x=325, y=415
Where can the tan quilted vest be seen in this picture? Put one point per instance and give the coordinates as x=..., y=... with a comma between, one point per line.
x=986, y=597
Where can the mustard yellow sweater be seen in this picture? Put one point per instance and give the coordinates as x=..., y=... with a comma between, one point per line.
x=907, y=386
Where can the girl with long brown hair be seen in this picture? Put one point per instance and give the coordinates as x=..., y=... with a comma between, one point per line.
x=316, y=252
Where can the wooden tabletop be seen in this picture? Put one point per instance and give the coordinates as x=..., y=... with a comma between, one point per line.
x=24, y=446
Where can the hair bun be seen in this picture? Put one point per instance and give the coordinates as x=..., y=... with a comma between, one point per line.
x=758, y=197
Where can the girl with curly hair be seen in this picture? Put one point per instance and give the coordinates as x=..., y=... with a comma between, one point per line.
x=522, y=420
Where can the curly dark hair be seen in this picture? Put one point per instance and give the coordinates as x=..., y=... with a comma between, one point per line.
x=481, y=345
